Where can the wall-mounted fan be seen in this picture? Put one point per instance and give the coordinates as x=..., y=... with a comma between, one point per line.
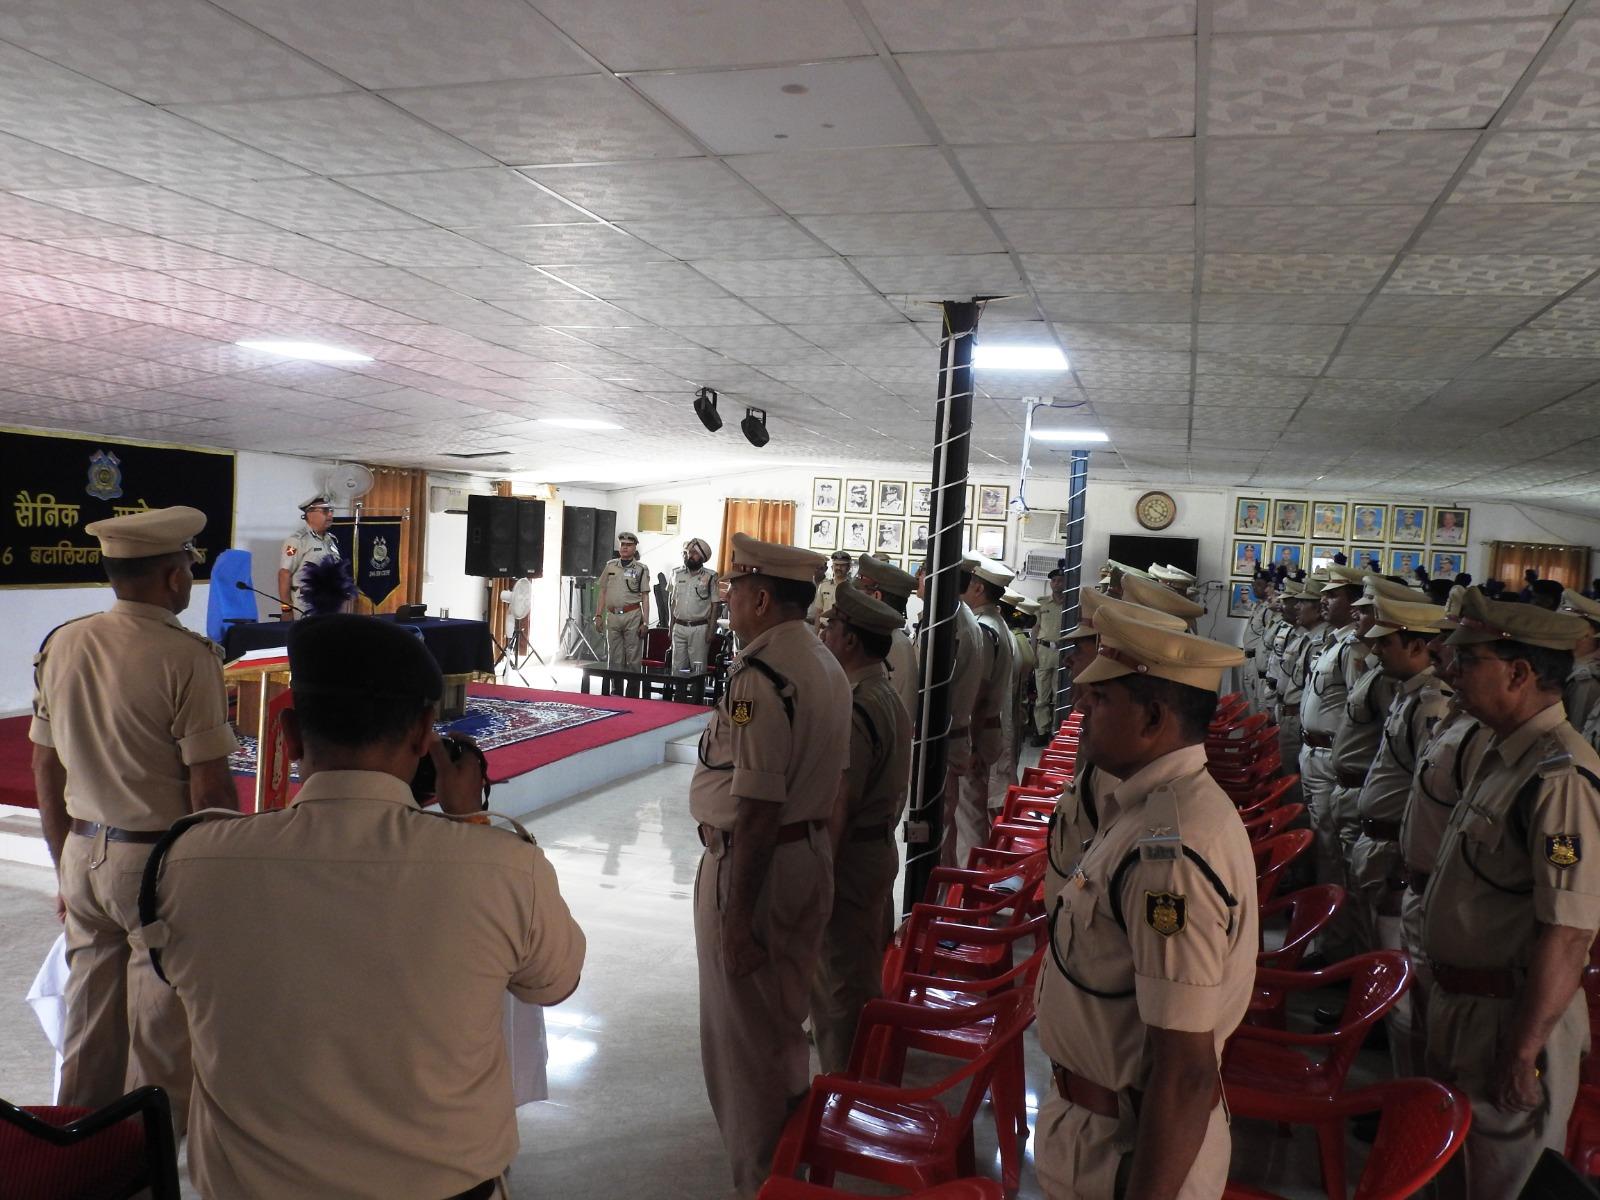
x=346, y=483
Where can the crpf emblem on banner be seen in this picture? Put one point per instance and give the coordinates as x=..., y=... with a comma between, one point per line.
x=105, y=475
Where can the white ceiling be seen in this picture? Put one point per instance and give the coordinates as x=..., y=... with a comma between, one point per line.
x=1351, y=244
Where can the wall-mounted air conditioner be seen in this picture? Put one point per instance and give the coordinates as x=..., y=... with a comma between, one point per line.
x=659, y=518
x=1044, y=525
x=447, y=500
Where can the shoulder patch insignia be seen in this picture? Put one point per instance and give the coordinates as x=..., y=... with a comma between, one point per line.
x=742, y=712
x=1556, y=764
x=289, y=550
x=1166, y=912
x=1563, y=849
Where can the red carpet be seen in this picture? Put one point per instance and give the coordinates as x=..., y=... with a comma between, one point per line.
x=634, y=716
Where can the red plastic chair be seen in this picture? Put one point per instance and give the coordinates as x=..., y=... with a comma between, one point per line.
x=1583, y=1131
x=1272, y=821
x=1306, y=913
x=79, y=1154
x=657, y=647
x=1274, y=1060
x=1421, y=1126
x=1041, y=777
x=1273, y=856
x=1589, y=1071
x=1267, y=795
x=899, y=1136
x=960, y=1189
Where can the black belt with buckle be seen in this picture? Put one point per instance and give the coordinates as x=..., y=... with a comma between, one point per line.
x=701, y=621
x=91, y=829
x=480, y=1191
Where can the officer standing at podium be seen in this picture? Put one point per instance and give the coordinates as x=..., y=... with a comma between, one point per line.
x=693, y=598
x=306, y=546
x=623, y=591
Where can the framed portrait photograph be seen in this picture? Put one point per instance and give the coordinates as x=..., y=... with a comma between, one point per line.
x=1370, y=522
x=1408, y=524
x=824, y=533
x=1240, y=600
x=991, y=541
x=1250, y=514
x=922, y=499
x=1247, y=557
x=1322, y=554
x=1327, y=519
x=1449, y=527
x=919, y=537
x=994, y=502
x=966, y=538
x=857, y=534
x=889, y=537
x=1289, y=518
x=891, y=498
x=1287, y=554
x=1367, y=558
x=858, y=495
x=1404, y=562
x=824, y=495
x=968, y=511
x=1447, y=564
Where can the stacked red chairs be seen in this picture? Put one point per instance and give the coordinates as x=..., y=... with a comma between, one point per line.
x=1583, y=1127
x=1273, y=857
x=1271, y=821
x=960, y=1189
x=1010, y=893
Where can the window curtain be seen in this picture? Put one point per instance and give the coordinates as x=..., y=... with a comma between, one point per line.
x=401, y=492
x=1568, y=565
x=769, y=520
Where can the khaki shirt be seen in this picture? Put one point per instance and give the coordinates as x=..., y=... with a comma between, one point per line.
x=1025, y=658
x=1140, y=922
x=1286, y=644
x=1448, y=762
x=622, y=583
x=302, y=549
x=1296, y=671
x=130, y=699
x=344, y=964
x=1050, y=610
x=693, y=594
x=1582, y=693
x=994, y=693
x=1520, y=848
x=1073, y=825
x=880, y=751
x=971, y=666
x=902, y=665
x=1257, y=631
x=1333, y=673
x=1356, y=743
x=823, y=604
x=785, y=742
x=1419, y=704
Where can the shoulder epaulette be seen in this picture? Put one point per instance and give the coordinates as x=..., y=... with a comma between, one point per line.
x=151, y=930
x=784, y=688
x=59, y=628
x=1560, y=762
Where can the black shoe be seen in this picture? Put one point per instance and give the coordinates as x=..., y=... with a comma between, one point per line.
x=1364, y=1128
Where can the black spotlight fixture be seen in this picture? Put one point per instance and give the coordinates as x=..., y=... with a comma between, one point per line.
x=705, y=407
x=755, y=427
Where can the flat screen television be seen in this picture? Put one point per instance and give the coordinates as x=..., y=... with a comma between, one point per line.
x=1140, y=550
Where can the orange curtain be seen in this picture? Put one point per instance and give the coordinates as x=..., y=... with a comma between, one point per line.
x=401, y=492
x=769, y=520
x=1567, y=565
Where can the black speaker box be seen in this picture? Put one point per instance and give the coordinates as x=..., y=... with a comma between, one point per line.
x=577, y=542
x=530, y=538
x=505, y=536
x=605, y=538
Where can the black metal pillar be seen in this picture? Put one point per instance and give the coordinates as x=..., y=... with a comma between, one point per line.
x=937, y=645
x=1072, y=570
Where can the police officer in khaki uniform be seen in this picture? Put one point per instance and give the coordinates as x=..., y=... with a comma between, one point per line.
x=772, y=762
x=1022, y=617
x=839, y=576
x=1311, y=633
x=1256, y=639
x=344, y=961
x=974, y=659
x=1051, y=606
x=692, y=598
x=1514, y=900
x=1158, y=596
x=305, y=547
x=983, y=582
x=1153, y=937
x=1581, y=696
x=624, y=605
x=888, y=583
x=130, y=732
x=865, y=860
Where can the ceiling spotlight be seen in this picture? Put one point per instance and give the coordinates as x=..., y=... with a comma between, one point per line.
x=705, y=407
x=1018, y=358
x=755, y=427
x=309, y=351
x=1070, y=435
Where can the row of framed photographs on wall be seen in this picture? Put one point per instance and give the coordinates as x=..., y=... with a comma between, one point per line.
x=890, y=536
x=1340, y=520
x=1391, y=560
x=897, y=498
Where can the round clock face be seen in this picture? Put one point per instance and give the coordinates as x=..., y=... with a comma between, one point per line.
x=1156, y=510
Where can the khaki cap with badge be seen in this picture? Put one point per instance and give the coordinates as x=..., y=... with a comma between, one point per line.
x=988, y=569
x=317, y=501
x=1340, y=576
x=1030, y=607
x=1114, y=568
x=1167, y=573
x=1393, y=616
x=854, y=607
x=1091, y=604
x=1159, y=597
x=1484, y=620
x=1580, y=605
x=886, y=577
x=1129, y=646
x=627, y=537
x=751, y=556
x=148, y=534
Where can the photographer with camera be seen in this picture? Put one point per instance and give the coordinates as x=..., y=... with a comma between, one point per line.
x=343, y=961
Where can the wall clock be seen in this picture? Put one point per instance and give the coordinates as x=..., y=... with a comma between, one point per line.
x=1156, y=510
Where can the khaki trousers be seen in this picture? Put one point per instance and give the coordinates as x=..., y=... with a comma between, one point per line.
x=124, y=1027
x=1083, y=1156
x=959, y=758
x=1289, y=751
x=689, y=647
x=1464, y=1033
x=850, y=967
x=973, y=817
x=1044, y=702
x=1410, y=1051
x=624, y=640
x=1351, y=931
x=753, y=1045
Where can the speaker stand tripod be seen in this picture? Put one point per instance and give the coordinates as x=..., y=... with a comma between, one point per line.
x=573, y=633
x=506, y=651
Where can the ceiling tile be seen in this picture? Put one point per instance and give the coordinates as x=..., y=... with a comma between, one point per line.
x=752, y=238
x=1393, y=308
x=415, y=247
x=1251, y=16
x=1272, y=366
x=1398, y=168
x=647, y=190
x=820, y=310
x=1269, y=308
x=1116, y=306
x=475, y=197
x=694, y=310
x=778, y=277
x=955, y=276
x=1088, y=230
x=29, y=83
x=1000, y=24
x=1546, y=168
x=542, y=244
x=1329, y=229
x=1124, y=335
x=651, y=279
x=905, y=179
x=1421, y=340
x=1490, y=274
x=1552, y=343
x=1305, y=274
x=26, y=164
x=1110, y=272
x=1562, y=93
x=892, y=233
x=306, y=205
x=1241, y=338
x=1088, y=175
x=147, y=209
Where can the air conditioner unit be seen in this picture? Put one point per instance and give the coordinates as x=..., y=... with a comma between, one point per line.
x=659, y=518
x=1039, y=564
x=447, y=500
x=1044, y=525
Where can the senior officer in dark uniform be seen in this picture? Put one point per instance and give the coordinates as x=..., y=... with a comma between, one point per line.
x=623, y=599
x=693, y=600
x=1514, y=900
x=305, y=547
x=771, y=768
x=344, y=961
x=865, y=860
x=1153, y=937
x=130, y=732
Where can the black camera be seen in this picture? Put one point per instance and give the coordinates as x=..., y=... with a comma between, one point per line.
x=425, y=783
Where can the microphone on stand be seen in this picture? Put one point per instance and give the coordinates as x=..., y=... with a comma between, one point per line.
x=245, y=587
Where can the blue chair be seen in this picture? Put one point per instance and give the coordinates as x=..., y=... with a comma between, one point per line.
x=227, y=602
